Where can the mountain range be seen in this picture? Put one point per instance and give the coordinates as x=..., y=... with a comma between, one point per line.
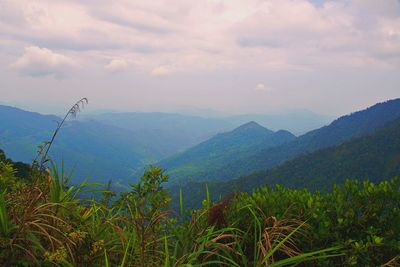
x=109, y=145
x=90, y=148
x=194, y=150
x=374, y=156
x=167, y=133
x=340, y=130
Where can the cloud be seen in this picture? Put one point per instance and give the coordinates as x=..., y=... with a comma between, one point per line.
x=143, y=20
x=335, y=33
x=197, y=36
x=117, y=65
x=209, y=49
x=161, y=71
x=38, y=61
x=262, y=88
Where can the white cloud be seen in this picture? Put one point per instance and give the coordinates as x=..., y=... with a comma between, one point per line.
x=38, y=61
x=261, y=87
x=117, y=65
x=204, y=35
x=161, y=71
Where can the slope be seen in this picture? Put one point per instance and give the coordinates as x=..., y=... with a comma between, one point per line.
x=375, y=156
x=196, y=162
x=95, y=150
x=342, y=129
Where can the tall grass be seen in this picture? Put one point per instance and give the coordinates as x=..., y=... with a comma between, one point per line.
x=44, y=223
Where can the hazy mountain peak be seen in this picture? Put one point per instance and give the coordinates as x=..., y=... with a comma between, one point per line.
x=251, y=126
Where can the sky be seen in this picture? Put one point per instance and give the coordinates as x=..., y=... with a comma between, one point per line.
x=233, y=56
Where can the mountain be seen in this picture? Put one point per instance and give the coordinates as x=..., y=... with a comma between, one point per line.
x=92, y=149
x=375, y=156
x=297, y=122
x=342, y=129
x=174, y=132
x=169, y=133
x=220, y=150
x=118, y=145
x=107, y=146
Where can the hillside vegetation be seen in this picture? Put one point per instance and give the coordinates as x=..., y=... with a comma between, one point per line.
x=343, y=129
x=197, y=162
x=375, y=156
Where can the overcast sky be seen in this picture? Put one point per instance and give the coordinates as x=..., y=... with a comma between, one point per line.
x=247, y=56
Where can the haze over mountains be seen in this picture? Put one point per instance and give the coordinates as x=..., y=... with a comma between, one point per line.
x=192, y=149
x=95, y=150
x=107, y=146
x=169, y=133
x=265, y=157
x=297, y=121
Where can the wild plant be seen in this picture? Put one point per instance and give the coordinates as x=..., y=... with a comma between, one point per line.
x=144, y=211
x=42, y=155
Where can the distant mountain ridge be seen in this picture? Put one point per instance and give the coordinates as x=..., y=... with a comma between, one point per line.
x=342, y=129
x=297, y=121
x=168, y=132
x=96, y=149
x=93, y=149
x=194, y=163
x=102, y=150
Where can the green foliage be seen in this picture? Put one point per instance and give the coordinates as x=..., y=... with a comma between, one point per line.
x=361, y=216
x=43, y=223
x=9, y=170
x=6, y=225
x=145, y=209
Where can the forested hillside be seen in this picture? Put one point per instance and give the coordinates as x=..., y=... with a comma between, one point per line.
x=375, y=156
x=196, y=162
x=343, y=129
